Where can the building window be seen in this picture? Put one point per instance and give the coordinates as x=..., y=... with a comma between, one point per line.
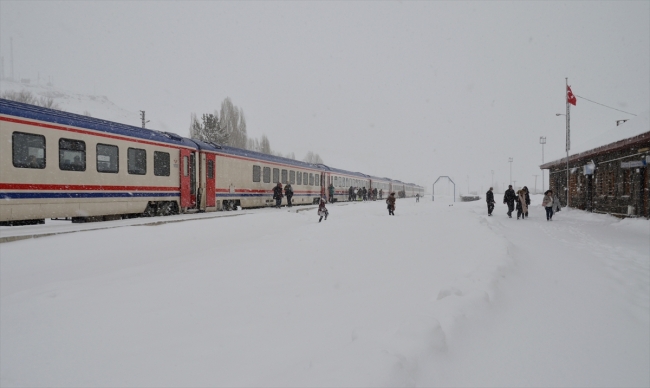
x=276, y=175
x=136, y=160
x=292, y=177
x=299, y=178
x=108, y=158
x=72, y=155
x=311, y=179
x=211, y=169
x=160, y=163
x=285, y=177
x=28, y=150
x=267, y=175
x=257, y=173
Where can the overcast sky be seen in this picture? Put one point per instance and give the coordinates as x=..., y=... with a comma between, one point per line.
x=408, y=90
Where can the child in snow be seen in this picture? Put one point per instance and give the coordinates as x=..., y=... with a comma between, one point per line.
x=322, y=210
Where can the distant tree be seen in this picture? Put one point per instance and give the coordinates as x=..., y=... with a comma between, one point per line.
x=313, y=158
x=265, y=145
x=233, y=122
x=208, y=129
x=27, y=97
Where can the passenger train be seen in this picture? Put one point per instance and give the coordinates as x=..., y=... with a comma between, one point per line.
x=55, y=164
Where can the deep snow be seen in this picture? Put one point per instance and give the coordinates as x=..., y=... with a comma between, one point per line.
x=439, y=295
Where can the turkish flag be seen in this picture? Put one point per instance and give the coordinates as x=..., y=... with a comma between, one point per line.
x=571, y=99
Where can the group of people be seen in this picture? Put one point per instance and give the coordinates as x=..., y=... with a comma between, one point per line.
x=277, y=194
x=362, y=193
x=280, y=192
x=521, y=199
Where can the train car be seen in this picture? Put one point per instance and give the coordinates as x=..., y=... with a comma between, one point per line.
x=56, y=164
x=382, y=185
x=246, y=179
x=342, y=180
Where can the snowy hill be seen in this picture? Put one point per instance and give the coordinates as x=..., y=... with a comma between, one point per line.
x=95, y=106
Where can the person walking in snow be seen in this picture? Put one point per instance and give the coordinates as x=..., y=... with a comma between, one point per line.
x=522, y=209
x=277, y=195
x=547, y=202
x=509, y=198
x=381, y=193
x=374, y=194
x=288, y=191
x=331, y=192
x=350, y=193
x=322, y=210
x=489, y=198
x=364, y=192
x=527, y=200
x=417, y=197
x=390, y=201
x=557, y=206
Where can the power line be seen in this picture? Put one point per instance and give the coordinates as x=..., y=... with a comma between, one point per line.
x=605, y=105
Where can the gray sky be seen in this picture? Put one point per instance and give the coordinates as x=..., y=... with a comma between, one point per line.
x=408, y=90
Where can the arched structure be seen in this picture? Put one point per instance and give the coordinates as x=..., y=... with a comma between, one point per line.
x=433, y=188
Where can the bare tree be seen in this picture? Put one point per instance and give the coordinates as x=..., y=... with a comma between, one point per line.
x=265, y=145
x=27, y=97
x=313, y=158
x=233, y=123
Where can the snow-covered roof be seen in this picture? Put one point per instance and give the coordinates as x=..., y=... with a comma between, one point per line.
x=637, y=128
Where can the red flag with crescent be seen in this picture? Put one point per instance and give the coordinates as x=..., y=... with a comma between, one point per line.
x=570, y=98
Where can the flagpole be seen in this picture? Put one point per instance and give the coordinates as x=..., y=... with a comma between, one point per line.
x=568, y=137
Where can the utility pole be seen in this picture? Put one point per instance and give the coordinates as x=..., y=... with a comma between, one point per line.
x=143, y=120
x=510, y=161
x=514, y=185
x=542, y=141
x=568, y=137
x=535, y=182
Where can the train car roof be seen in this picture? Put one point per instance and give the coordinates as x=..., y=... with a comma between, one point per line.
x=27, y=111
x=341, y=171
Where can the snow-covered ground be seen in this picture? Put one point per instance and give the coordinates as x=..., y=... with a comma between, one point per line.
x=438, y=295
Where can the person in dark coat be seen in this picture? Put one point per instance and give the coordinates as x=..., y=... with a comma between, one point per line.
x=350, y=193
x=288, y=191
x=277, y=195
x=322, y=210
x=331, y=192
x=364, y=193
x=390, y=201
x=527, y=200
x=489, y=198
x=374, y=194
x=509, y=198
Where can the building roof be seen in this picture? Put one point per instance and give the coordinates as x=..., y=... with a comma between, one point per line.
x=634, y=131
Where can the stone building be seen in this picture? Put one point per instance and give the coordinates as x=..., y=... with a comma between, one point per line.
x=609, y=174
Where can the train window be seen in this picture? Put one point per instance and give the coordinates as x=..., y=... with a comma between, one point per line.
x=305, y=176
x=107, y=158
x=292, y=177
x=161, y=163
x=276, y=175
x=257, y=173
x=28, y=150
x=136, y=160
x=285, y=177
x=267, y=175
x=317, y=177
x=211, y=169
x=72, y=155
x=186, y=166
x=299, y=179
x=311, y=179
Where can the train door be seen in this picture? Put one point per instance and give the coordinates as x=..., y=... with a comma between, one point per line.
x=193, y=179
x=210, y=180
x=186, y=199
